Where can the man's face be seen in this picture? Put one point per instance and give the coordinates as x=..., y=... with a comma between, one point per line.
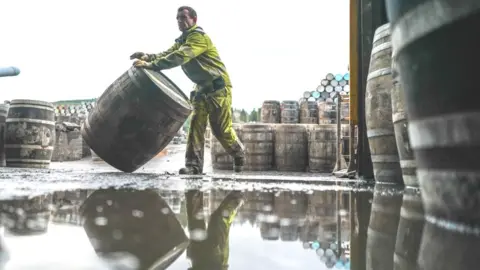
x=184, y=20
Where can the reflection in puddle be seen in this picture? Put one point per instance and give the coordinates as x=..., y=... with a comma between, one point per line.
x=209, y=229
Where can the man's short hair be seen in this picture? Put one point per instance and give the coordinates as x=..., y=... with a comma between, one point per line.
x=191, y=11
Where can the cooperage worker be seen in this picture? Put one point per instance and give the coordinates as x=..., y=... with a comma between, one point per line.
x=212, y=96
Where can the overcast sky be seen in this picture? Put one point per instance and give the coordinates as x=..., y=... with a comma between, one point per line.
x=75, y=49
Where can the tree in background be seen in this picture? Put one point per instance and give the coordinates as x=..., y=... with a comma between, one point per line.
x=243, y=116
x=253, y=117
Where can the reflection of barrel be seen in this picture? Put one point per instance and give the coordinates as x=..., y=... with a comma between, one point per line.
x=410, y=229
x=30, y=134
x=289, y=233
x=291, y=153
x=327, y=112
x=3, y=117
x=322, y=145
x=290, y=112
x=270, y=112
x=95, y=157
x=26, y=216
x=443, y=123
x=221, y=160
x=378, y=110
x=400, y=122
x=308, y=112
x=141, y=225
x=259, y=144
x=270, y=231
x=382, y=230
x=135, y=118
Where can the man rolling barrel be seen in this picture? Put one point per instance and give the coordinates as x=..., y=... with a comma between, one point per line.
x=212, y=97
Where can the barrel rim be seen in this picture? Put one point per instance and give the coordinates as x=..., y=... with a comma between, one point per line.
x=175, y=94
x=271, y=101
x=31, y=102
x=384, y=28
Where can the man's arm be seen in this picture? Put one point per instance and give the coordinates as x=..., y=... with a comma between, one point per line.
x=195, y=45
x=153, y=57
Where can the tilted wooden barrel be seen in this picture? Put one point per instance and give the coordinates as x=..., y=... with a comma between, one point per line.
x=436, y=48
x=378, y=110
x=135, y=118
x=30, y=134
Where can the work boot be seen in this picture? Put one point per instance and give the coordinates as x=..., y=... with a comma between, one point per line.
x=238, y=163
x=190, y=170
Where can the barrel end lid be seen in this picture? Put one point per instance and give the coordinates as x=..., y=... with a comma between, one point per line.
x=168, y=87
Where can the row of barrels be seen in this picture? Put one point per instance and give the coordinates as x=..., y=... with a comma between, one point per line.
x=283, y=147
x=423, y=122
x=27, y=133
x=329, y=88
x=306, y=112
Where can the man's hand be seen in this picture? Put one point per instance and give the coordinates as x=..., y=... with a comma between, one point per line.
x=139, y=55
x=142, y=64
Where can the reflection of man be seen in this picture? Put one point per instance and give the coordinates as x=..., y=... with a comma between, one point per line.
x=209, y=248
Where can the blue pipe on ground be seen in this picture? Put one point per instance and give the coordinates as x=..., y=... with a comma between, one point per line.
x=9, y=71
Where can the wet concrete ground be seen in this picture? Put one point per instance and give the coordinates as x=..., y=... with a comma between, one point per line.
x=57, y=218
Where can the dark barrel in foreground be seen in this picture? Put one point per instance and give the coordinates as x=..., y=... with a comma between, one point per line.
x=436, y=47
x=135, y=118
x=30, y=134
x=378, y=110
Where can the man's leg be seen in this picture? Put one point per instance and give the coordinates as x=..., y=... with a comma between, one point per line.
x=196, y=136
x=220, y=117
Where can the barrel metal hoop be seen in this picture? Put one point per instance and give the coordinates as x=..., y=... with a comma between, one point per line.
x=379, y=72
x=382, y=47
x=31, y=106
x=379, y=132
x=399, y=116
x=25, y=146
x=28, y=160
x=380, y=35
x=134, y=79
x=385, y=158
x=428, y=17
x=451, y=130
x=29, y=120
x=453, y=226
x=410, y=164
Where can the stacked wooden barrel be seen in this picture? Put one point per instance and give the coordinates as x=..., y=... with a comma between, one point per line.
x=30, y=134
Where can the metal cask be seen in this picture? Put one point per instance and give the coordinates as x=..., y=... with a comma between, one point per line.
x=135, y=118
x=221, y=160
x=258, y=140
x=378, y=110
x=291, y=147
x=270, y=112
x=322, y=148
x=436, y=48
x=30, y=134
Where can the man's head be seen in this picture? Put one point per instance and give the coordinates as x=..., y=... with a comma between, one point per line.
x=186, y=18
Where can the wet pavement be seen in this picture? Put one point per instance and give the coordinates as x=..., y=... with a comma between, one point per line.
x=87, y=215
